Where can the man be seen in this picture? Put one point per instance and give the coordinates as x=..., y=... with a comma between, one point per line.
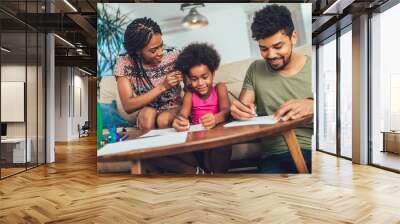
x=280, y=85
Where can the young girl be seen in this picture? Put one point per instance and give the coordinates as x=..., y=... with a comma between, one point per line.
x=207, y=104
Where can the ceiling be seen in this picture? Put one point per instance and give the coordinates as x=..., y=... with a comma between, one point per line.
x=80, y=26
x=167, y=11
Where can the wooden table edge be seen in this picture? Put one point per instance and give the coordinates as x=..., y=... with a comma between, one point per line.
x=286, y=129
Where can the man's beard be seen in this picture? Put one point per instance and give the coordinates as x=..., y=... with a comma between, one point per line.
x=285, y=62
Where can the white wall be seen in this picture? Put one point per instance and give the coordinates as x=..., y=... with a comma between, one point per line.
x=61, y=103
x=33, y=127
x=80, y=94
x=227, y=31
x=16, y=72
x=70, y=84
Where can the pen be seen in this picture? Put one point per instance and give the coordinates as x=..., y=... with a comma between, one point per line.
x=236, y=98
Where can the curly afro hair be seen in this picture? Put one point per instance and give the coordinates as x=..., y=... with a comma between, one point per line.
x=197, y=54
x=270, y=20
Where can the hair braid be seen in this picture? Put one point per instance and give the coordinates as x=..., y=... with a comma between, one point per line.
x=137, y=35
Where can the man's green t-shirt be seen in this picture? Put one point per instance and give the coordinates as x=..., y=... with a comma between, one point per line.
x=272, y=90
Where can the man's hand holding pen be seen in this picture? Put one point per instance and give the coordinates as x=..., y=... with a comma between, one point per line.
x=240, y=111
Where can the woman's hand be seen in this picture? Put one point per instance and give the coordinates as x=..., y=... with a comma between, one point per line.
x=172, y=79
x=181, y=124
x=208, y=120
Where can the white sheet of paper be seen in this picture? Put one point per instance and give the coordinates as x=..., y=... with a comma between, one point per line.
x=196, y=127
x=166, y=131
x=253, y=121
x=143, y=143
x=157, y=132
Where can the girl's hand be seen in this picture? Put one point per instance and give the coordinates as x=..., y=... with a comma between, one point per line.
x=208, y=120
x=172, y=79
x=181, y=124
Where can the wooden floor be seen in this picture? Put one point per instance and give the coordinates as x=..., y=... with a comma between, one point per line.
x=387, y=159
x=70, y=191
x=10, y=171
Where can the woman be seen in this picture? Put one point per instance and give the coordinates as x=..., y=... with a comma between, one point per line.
x=148, y=83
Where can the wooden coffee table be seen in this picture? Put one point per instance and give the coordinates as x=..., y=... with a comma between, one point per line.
x=214, y=138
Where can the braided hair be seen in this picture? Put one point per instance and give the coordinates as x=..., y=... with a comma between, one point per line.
x=137, y=35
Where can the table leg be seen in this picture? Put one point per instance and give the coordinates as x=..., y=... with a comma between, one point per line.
x=137, y=167
x=384, y=142
x=295, y=151
x=113, y=167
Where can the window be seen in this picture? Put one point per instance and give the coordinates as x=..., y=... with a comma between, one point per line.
x=385, y=86
x=22, y=69
x=346, y=93
x=327, y=96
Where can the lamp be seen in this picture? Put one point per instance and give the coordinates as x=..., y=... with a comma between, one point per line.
x=84, y=71
x=5, y=49
x=70, y=5
x=337, y=7
x=65, y=41
x=194, y=19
